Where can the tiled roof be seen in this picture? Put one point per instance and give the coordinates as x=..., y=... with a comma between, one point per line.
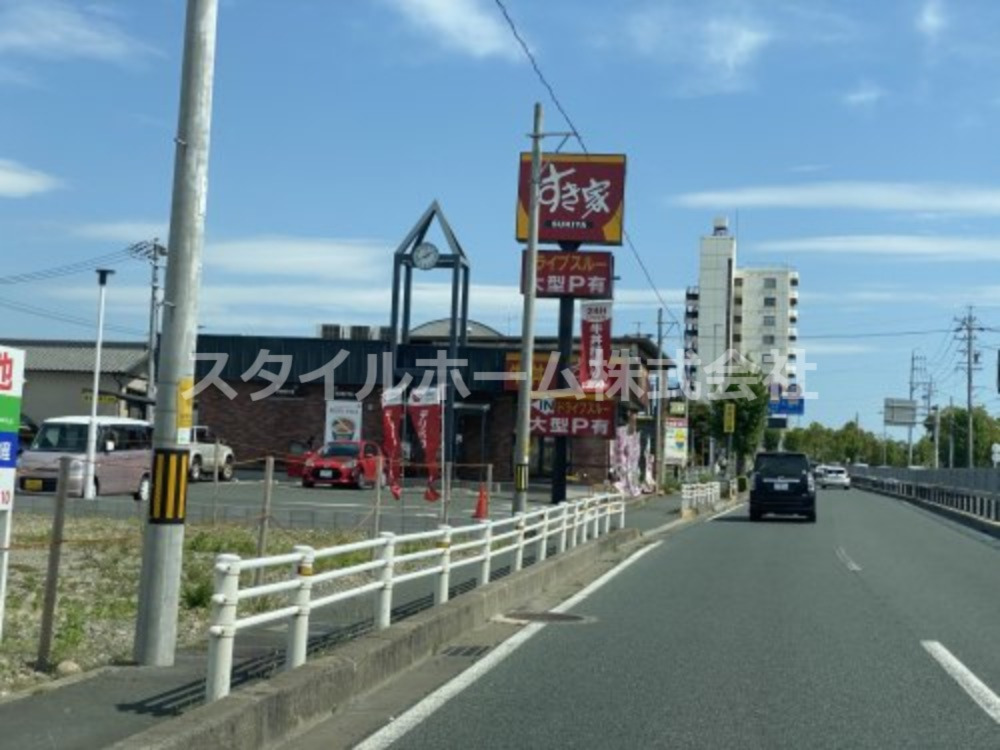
x=78, y=356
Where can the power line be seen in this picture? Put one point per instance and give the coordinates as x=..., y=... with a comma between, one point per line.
x=876, y=334
x=576, y=134
x=61, y=317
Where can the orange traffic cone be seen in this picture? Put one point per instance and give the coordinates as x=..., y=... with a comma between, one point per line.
x=482, y=504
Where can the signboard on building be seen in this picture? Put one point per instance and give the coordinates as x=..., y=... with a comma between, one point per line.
x=11, y=389
x=572, y=417
x=786, y=401
x=572, y=274
x=595, y=345
x=343, y=420
x=540, y=361
x=677, y=409
x=900, y=412
x=675, y=441
x=729, y=418
x=581, y=198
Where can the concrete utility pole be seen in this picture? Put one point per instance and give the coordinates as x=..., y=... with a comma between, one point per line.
x=968, y=327
x=937, y=437
x=951, y=433
x=159, y=586
x=661, y=392
x=522, y=446
x=152, y=251
x=909, y=429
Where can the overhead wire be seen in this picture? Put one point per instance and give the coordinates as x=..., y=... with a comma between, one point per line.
x=583, y=145
x=61, y=317
x=68, y=269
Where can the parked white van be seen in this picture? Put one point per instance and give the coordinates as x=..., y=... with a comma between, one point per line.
x=122, y=463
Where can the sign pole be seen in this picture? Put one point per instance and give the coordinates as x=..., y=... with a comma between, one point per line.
x=159, y=583
x=11, y=387
x=522, y=445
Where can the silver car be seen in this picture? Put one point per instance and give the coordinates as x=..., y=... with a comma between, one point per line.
x=835, y=476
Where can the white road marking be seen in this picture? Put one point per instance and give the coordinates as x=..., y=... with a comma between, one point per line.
x=976, y=688
x=720, y=514
x=425, y=708
x=848, y=562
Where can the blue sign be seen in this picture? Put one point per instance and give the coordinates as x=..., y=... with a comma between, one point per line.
x=786, y=401
x=8, y=450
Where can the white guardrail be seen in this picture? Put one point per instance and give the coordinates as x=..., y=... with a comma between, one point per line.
x=696, y=498
x=571, y=523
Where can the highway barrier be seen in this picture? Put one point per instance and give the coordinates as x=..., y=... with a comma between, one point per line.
x=969, y=503
x=389, y=559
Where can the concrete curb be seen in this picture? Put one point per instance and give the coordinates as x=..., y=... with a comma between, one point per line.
x=268, y=712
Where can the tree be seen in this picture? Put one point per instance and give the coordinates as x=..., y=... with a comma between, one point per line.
x=772, y=439
x=749, y=396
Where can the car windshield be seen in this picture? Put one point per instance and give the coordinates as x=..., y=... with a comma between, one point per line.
x=61, y=438
x=339, y=450
x=777, y=465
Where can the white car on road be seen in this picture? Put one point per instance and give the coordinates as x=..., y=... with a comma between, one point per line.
x=835, y=476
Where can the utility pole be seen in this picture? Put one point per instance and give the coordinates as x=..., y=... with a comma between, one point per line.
x=951, y=433
x=909, y=428
x=661, y=392
x=152, y=251
x=937, y=437
x=89, y=484
x=163, y=543
x=967, y=326
x=522, y=446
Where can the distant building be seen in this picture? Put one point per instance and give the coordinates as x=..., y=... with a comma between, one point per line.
x=753, y=311
x=59, y=378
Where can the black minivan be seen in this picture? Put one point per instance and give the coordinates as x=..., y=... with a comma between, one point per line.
x=782, y=483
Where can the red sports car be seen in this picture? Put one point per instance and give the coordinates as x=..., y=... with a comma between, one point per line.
x=342, y=462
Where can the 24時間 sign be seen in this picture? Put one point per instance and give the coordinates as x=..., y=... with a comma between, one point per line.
x=581, y=198
x=572, y=417
x=571, y=274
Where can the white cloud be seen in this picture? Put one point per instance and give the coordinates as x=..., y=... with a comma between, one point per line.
x=307, y=257
x=125, y=232
x=714, y=49
x=865, y=94
x=932, y=20
x=19, y=181
x=937, y=198
x=471, y=27
x=906, y=247
x=808, y=168
x=57, y=30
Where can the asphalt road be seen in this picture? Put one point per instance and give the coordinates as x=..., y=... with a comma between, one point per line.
x=778, y=634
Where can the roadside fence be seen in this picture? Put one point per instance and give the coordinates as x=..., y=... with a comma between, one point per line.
x=977, y=503
x=389, y=560
x=700, y=497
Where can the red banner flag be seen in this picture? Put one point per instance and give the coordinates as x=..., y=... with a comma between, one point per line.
x=392, y=415
x=426, y=410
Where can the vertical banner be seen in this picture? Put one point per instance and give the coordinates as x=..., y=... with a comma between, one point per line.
x=343, y=420
x=11, y=388
x=392, y=415
x=595, y=345
x=426, y=411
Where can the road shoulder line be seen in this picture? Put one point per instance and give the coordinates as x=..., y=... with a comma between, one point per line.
x=985, y=698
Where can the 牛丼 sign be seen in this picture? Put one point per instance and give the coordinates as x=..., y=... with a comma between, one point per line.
x=581, y=198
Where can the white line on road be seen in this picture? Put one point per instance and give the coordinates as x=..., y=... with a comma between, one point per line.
x=726, y=512
x=848, y=562
x=976, y=688
x=423, y=710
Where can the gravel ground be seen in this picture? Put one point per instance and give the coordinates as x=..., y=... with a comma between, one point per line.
x=99, y=573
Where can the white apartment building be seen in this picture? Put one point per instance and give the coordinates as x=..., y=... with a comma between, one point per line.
x=751, y=310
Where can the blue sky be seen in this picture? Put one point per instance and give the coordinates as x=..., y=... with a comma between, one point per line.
x=853, y=140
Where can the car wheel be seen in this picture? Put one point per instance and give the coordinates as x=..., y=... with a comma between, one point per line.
x=755, y=514
x=143, y=492
x=194, y=471
x=308, y=483
x=361, y=481
x=228, y=470
x=811, y=517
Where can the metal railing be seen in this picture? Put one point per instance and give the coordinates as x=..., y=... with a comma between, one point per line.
x=978, y=503
x=700, y=497
x=392, y=561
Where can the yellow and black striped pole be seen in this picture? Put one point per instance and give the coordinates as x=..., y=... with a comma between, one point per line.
x=169, y=496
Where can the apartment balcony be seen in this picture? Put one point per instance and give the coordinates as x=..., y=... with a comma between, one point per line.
x=691, y=331
x=793, y=315
x=691, y=313
x=793, y=297
x=793, y=278
x=793, y=334
x=691, y=294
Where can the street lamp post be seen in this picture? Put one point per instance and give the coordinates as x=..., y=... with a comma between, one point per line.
x=88, y=477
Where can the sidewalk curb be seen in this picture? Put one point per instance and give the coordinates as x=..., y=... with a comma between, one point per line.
x=272, y=711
